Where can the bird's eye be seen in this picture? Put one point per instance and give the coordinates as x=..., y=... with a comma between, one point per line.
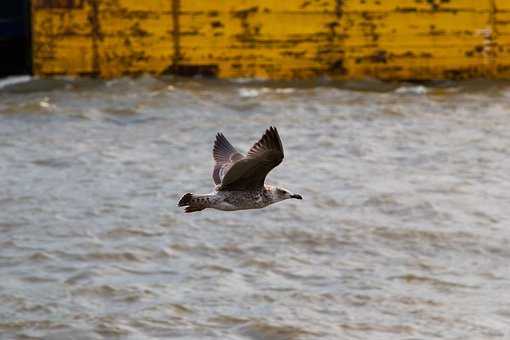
x=281, y=192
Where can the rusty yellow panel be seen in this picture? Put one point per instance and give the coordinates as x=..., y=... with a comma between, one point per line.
x=136, y=25
x=275, y=47
x=502, y=23
x=406, y=24
x=341, y=6
x=240, y=7
x=416, y=5
x=500, y=39
x=73, y=55
x=501, y=5
x=420, y=63
x=144, y=7
x=108, y=37
x=293, y=39
x=62, y=22
x=366, y=57
x=416, y=44
x=61, y=38
x=117, y=56
x=266, y=45
x=260, y=27
x=134, y=38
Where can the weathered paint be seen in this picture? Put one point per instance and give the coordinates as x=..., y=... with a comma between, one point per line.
x=292, y=39
x=108, y=38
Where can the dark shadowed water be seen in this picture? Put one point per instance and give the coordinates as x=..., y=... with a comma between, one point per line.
x=403, y=232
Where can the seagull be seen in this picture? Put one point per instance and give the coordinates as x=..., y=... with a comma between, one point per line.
x=240, y=179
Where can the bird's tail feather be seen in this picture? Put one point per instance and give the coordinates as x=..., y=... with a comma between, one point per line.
x=191, y=203
x=185, y=200
x=191, y=209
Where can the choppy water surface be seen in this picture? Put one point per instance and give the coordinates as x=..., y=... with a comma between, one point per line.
x=402, y=234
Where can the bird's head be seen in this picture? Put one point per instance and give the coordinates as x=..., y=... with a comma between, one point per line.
x=280, y=194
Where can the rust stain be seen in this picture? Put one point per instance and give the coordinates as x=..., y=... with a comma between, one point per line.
x=96, y=34
x=55, y=4
x=249, y=31
x=339, y=4
x=244, y=13
x=378, y=57
x=176, y=32
x=183, y=70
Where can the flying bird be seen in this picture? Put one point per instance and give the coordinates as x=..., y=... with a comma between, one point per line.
x=240, y=179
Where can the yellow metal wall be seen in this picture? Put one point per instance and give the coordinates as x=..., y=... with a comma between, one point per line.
x=276, y=39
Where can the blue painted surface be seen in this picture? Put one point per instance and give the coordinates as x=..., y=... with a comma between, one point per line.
x=12, y=28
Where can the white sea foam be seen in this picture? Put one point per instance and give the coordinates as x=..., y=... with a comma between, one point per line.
x=9, y=81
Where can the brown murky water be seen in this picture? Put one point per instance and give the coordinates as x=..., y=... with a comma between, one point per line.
x=403, y=232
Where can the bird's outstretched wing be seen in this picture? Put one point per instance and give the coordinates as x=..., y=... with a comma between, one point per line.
x=249, y=173
x=224, y=155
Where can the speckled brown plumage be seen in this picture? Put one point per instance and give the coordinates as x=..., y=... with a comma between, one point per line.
x=240, y=179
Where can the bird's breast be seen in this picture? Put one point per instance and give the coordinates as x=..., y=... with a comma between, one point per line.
x=245, y=199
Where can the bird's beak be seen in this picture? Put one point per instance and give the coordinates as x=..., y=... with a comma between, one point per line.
x=296, y=196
